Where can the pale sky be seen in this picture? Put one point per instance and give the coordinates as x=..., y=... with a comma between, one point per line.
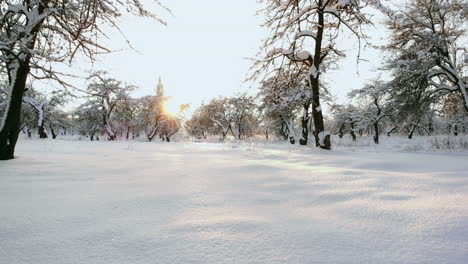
x=201, y=53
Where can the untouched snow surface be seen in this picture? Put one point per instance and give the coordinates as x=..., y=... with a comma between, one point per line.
x=118, y=202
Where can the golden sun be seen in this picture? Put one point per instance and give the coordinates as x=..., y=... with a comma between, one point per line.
x=171, y=108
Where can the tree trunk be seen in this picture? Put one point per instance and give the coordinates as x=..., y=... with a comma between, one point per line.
x=353, y=134
x=410, y=134
x=10, y=131
x=315, y=84
x=391, y=131
x=305, y=125
x=292, y=140
x=128, y=133
x=340, y=132
x=41, y=131
x=52, y=131
x=455, y=130
x=376, y=130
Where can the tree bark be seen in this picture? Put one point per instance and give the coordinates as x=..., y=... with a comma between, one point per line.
x=305, y=125
x=9, y=133
x=340, y=132
x=41, y=131
x=52, y=131
x=353, y=134
x=391, y=131
x=376, y=130
x=315, y=84
x=10, y=130
x=410, y=134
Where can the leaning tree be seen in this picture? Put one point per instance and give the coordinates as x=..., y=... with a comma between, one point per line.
x=36, y=34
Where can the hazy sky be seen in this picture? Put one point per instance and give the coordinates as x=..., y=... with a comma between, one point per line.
x=201, y=53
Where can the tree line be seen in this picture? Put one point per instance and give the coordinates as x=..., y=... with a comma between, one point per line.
x=108, y=112
x=424, y=58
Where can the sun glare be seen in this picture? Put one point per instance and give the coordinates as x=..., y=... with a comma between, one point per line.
x=171, y=108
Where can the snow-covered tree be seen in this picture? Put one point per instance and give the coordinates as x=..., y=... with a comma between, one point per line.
x=298, y=24
x=427, y=35
x=223, y=115
x=283, y=96
x=173, y=123
x=150, y=112
x=373, y=96
x=244, y=118
x=454, y=114
x=37, y=34
x=347, y=118
x=47, y=110
x=89, y=119
x=106, y=94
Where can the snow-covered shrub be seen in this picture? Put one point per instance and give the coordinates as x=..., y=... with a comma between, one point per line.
x=450, y=143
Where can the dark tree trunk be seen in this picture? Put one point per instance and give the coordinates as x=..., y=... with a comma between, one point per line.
x=10, y=130
x=353, y=134
x=305, y=125
x=410, y=134
x=52, y=131
x=41, y=132
x=315, y=85
x=391, y=131
x=91, y=137
x=376, y=130
x=9, y=133
x=292, y=140
x=340, y=132
x=128, y=133
x=455, y=130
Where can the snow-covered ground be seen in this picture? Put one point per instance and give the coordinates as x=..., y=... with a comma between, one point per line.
x=120, y=202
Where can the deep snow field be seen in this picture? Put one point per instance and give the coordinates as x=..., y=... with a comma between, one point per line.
x=137, y=202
